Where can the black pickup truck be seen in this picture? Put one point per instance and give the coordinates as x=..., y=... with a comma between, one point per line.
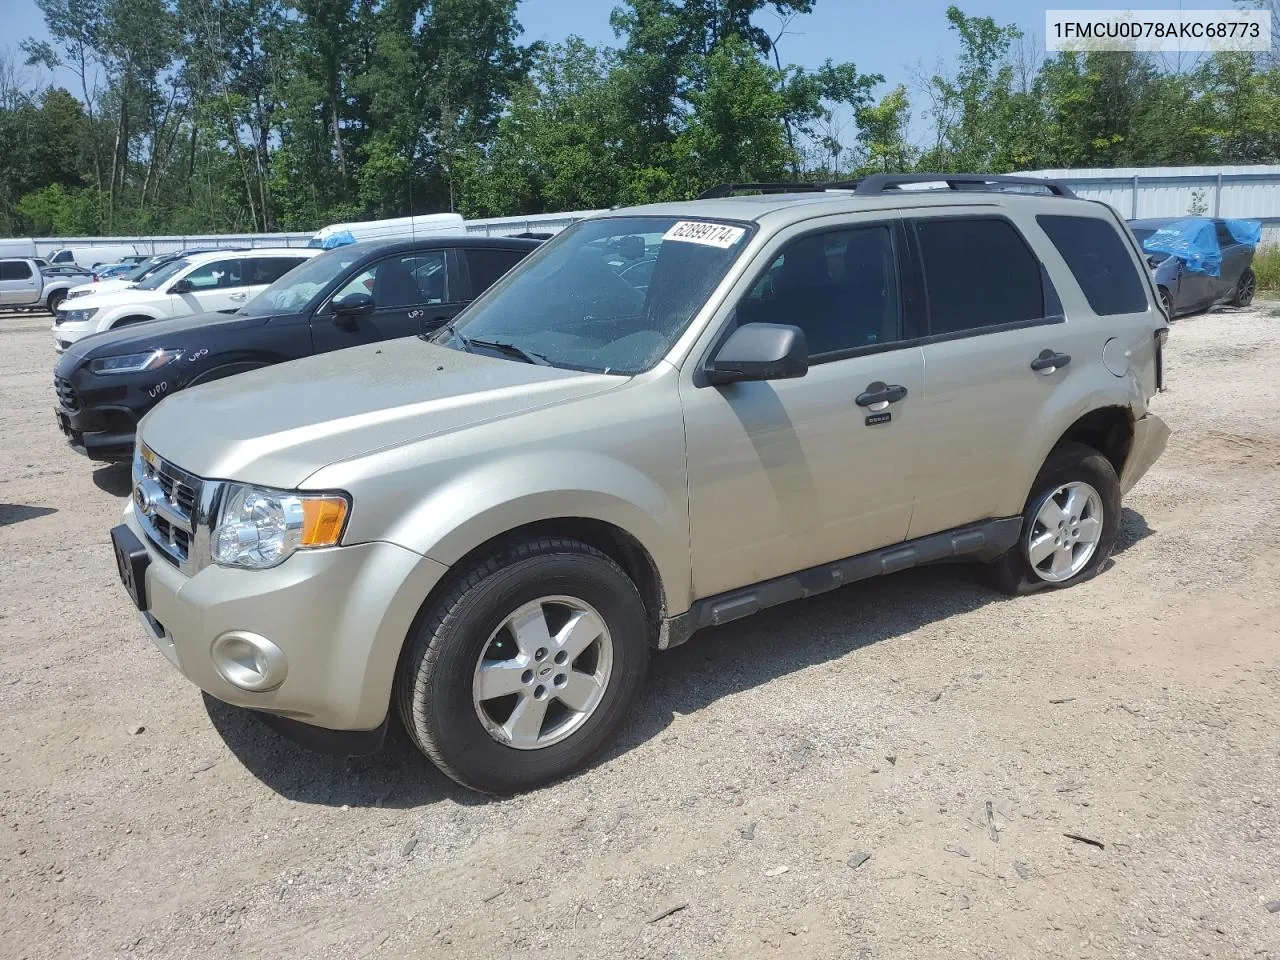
x=364, y=292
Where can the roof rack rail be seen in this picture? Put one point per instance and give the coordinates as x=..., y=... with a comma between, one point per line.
x=769, y=186
x=885, y=182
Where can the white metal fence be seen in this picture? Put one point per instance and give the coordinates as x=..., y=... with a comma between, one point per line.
x=1248, y=192
x=495, y=227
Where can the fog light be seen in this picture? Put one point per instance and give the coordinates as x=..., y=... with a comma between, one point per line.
x=248, y=661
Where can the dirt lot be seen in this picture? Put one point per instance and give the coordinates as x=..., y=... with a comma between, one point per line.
x=954, y=736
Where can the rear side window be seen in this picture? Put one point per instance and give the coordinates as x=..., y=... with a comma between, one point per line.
x=14, y=270
x=486, y=266
x=271, y=269
x=1225, y=239
x=1100, y=261
x=978, y=273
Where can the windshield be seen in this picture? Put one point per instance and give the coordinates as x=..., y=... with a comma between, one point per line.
x=1141, y=234
x=292, y=292
x=163, y=275
x=609, y=295
x=140, y=271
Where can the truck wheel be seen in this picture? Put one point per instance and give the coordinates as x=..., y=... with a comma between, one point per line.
x=55, y=300
x=1246, y=287
x=1069, y=525
x=525, y=667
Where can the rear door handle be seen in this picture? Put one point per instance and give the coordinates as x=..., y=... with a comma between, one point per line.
x=1050, y=362
x=879, y=395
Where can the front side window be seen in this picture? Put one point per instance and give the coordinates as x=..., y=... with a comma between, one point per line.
x=217, y=274
x=569, y=305
x=840, y=288
x=978, y=273
x=15, y=270
x=164, y=274
x=402, y=281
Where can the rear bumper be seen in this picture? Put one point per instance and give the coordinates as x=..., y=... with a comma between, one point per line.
x=1150, y=435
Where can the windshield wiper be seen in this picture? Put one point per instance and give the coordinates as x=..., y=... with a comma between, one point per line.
x=510, y=349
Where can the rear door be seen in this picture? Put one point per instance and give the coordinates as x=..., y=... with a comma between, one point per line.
x=412, y=292
x=1236, y=257
x=992, y=311
x=20, y=285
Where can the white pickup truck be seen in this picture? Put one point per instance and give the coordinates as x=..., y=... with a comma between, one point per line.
x=28, y=282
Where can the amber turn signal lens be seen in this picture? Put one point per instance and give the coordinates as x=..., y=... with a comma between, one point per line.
x=322, y=520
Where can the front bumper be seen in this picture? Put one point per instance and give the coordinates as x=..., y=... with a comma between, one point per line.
x=1150, y=435
x=340, y=617
x=65, y=334
x=100, y=433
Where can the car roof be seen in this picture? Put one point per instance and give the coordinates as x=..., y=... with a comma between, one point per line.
x=779, y=209
x=436, y=241
x=1155, y=223
x=251, y=252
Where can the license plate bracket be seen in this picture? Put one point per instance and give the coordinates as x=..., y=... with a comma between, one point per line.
x=132, y=560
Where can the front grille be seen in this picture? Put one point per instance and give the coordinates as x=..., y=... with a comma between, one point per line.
x=66, y=394
x=167, y=502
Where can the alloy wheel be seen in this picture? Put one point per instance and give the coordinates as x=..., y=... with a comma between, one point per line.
x=543, y=672
x=1065, y=533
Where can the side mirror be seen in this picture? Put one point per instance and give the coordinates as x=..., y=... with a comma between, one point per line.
x=761, y=351
x=352, y=305
x=182, y=286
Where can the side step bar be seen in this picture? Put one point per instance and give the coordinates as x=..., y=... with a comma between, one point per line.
x=981, y=541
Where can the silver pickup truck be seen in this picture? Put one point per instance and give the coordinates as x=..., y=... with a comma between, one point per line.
x=30, y=283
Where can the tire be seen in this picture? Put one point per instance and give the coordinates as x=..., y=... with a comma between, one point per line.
x=129, y=322
x=1166, y=302
x=438, y=682
x=55, y=300
x=1071, y=467
x=1246, y=287
x=221, y=373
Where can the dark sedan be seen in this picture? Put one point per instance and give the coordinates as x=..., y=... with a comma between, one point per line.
x=365, y=292
x=1187, y=291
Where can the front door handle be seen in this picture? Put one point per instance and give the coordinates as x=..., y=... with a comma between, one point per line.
x=1050, y=362
x=237, y=297
x=878, y=396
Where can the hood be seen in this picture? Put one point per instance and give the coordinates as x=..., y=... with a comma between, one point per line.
x=169, y=334
x=103, y=286
x=124, y=297
x=279, y=425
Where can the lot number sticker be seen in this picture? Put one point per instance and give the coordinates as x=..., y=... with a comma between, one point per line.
x=717, y=235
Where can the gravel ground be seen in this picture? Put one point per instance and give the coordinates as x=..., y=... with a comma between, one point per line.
x=891, y=770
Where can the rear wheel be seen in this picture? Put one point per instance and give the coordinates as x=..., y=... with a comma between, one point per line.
x=1069, y=525
x=1246, y=287
x=526, y=667
x=1166, y=303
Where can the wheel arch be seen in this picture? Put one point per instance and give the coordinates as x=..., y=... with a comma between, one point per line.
x=1109, y=430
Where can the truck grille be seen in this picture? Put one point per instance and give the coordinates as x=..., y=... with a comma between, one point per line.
x=168, y=504
x=66, y=394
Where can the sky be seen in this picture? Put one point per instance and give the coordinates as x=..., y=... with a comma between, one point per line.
x=896, y=39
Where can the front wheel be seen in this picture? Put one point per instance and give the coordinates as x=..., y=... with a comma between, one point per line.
x=1246, y=287
x=55, y=301
x=526, y=667
x=1069, y=525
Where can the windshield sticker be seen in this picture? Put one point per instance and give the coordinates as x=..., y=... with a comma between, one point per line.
x=717, y=235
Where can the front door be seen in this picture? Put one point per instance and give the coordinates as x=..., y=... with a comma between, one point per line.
x=790, y=474
x=412, y=293
x=19, y=284
x=213, y=286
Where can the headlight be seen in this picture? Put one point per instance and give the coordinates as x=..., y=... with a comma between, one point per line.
x=72, y=294
x=259, y=528
x=80, y=316
x=135, y=362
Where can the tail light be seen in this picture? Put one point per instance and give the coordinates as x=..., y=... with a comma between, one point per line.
x=1162, y=337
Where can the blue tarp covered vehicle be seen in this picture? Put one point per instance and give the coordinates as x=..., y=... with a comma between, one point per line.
x=1200, y=261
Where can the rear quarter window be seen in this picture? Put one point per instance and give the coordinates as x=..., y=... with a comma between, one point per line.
x=1100, y=261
